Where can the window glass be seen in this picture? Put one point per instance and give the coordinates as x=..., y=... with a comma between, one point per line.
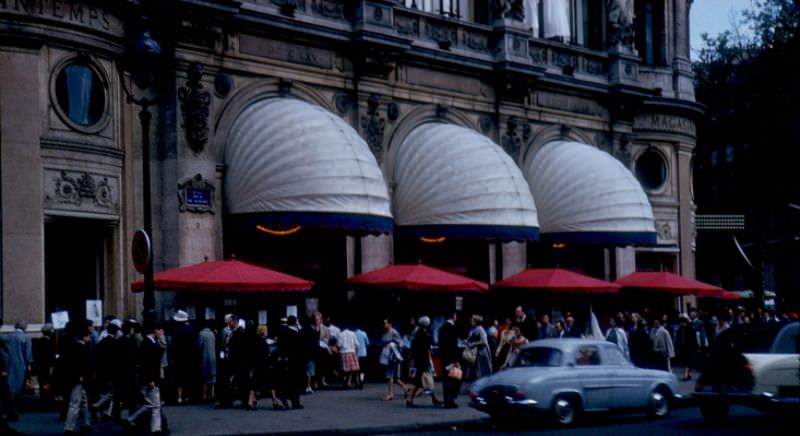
x=80, y=94
x=539, y=356
x=613, y=356
x=587, y=355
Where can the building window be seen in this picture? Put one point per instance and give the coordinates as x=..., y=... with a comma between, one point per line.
x=651, y=170
x=80, y=94
x=577, y=22
x=649, y=28
x=448, y=8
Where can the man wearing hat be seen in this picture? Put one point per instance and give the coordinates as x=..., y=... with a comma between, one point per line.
x=183, y=356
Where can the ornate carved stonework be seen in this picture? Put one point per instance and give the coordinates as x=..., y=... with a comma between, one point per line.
x=196, y=194
x=373, y=126
x=329, y=8
x=194, y=106
x=392, y=111
x=620, y=23
x=343, y=102
x=664, y=230
x=445, y=35
x=538, y=55
x=80, y=191
x=288, y=7
x=476, y=41
x=518, y=131
x=406, y=25
x=622, y=150
x=378, y=63
x=485, y=123
x=510, y=9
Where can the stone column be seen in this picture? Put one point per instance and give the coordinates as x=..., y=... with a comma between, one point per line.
x=514, y=258
x=686, y=210
x=625, y=261
x=681, y=65
x=23, y=216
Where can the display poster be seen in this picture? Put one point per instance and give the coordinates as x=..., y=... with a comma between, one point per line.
x=192, y=312
x=94, y=311
x=312, y=306
x=210, y=313
x=459, y=303
x=262, y=317
x=60, y=319
x=291, y=310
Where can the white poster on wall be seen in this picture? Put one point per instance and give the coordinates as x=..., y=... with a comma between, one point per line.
x=210, y=313
x=262, y=317
x=291, y=310
x=94, y=311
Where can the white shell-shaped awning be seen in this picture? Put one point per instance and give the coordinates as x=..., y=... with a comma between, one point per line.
x=450, y=179
x=284, y=155
x=584, y=194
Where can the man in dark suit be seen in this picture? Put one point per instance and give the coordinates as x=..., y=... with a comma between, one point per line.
x=526, y=324
x=150, y=352
x=291, y=350
x=570, y=330
x=450, y=356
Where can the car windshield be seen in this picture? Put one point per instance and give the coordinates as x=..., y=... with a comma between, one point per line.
x=539, y=356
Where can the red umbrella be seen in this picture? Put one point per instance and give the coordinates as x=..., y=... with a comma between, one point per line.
x=669, y=283
x=417, y=277
x=556, y=280
x=225, y=275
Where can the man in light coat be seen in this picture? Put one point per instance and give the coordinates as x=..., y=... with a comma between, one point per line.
x=19, y=358
x=663, y=348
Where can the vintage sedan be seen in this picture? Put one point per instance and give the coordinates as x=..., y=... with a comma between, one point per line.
x=565, y=377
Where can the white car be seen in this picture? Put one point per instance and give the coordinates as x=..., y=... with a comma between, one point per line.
x=565, y=377
x=756, y=366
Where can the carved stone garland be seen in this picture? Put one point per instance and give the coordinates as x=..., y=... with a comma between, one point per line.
x=373, y=126
x=513, y=140
x=75, y=190
x=194, y=105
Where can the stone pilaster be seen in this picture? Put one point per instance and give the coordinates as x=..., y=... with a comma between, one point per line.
x=23, y=215
x=687, y=210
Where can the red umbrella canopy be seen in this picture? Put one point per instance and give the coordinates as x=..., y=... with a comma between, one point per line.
x=225, y=275
x=669, y=283
x=417, y=277
x=556, y=280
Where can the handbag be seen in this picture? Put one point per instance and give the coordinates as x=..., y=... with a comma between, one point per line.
x=427, y=380
x=455, y=372
x=470, y=355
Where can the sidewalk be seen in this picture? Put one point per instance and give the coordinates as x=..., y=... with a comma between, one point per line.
x=326, y=412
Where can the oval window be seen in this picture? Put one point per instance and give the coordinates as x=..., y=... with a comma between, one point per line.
x=651, y=170
x=80, y=94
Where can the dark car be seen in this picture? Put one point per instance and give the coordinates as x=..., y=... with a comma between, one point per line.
x=757, y=366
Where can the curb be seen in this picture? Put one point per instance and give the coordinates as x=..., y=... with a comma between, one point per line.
x=439, y=426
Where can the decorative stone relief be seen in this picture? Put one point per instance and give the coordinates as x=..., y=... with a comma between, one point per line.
x=485, y=123
x=406, y=25
x=287, y=7
x=194, y=106
x=446, y=36
x=392, y=111
x=343, y=103
x=81, y=191
x=538, y=55
x=664, y=230
x=476, y=41
x=665, y=123
x=518, y=132
x=620, y=22
x=510, y=9
x=622, y=150
x=373, y=126
x=329, y=8
x=196, y=194
x=378, y=63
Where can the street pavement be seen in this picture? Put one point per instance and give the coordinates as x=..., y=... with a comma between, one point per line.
x=331, y=411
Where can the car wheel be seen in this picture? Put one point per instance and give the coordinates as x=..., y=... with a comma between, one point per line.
x=658, y=405
x=565, y=410
x=713, y=412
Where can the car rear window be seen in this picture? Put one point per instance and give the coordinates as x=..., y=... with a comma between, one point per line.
x=757, y=339
x=539, y=356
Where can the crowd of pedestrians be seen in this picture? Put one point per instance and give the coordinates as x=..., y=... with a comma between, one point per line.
x=120, y=371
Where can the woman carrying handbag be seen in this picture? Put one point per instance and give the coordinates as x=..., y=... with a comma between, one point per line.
x=478, y=341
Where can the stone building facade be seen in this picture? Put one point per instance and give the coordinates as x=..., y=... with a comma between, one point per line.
x=611, y=74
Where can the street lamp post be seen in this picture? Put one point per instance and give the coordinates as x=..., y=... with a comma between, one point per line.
x=141, y=57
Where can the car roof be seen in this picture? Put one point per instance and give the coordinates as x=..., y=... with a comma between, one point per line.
x=565, y=344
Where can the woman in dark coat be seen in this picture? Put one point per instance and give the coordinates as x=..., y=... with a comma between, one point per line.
x=685, y=346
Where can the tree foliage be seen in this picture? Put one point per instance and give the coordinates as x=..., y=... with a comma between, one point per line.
x=750, y=85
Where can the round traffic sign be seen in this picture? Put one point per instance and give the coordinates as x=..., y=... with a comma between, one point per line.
x=141, y=250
